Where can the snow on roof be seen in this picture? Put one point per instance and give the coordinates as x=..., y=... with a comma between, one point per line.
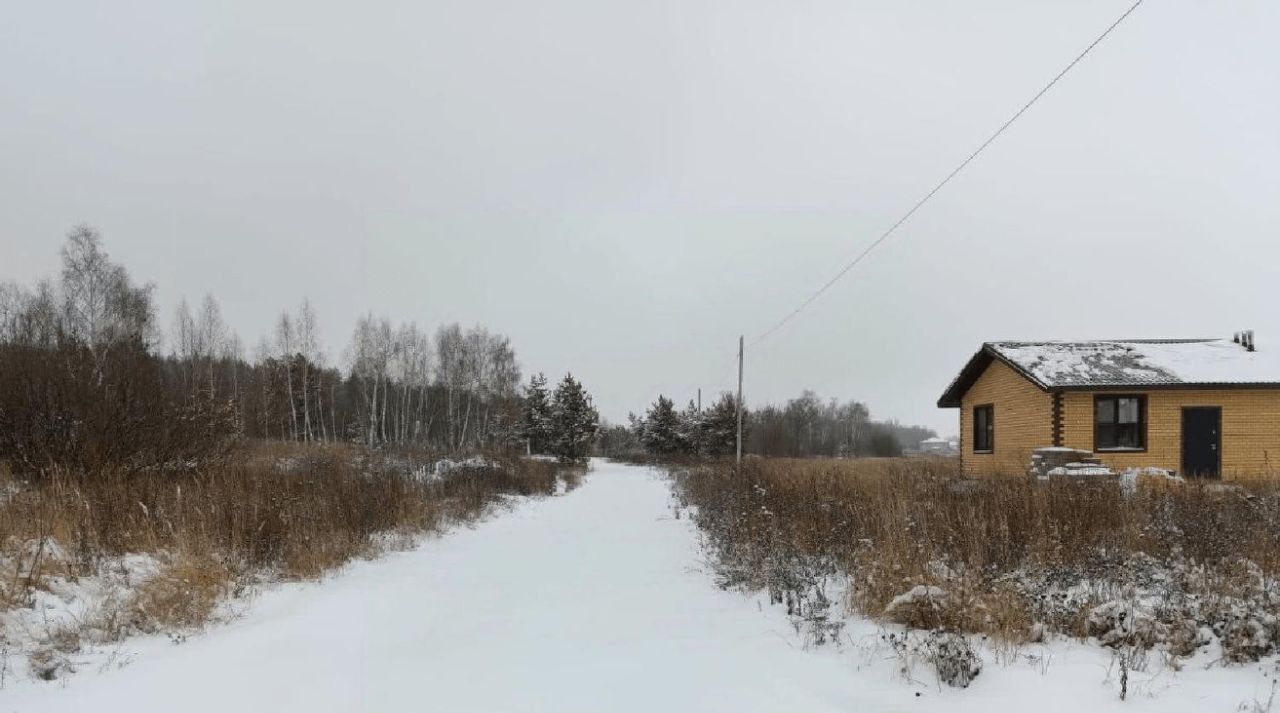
x=1141, y=362
x=934, y=440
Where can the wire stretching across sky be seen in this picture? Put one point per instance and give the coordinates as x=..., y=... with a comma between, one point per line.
x=885, y=236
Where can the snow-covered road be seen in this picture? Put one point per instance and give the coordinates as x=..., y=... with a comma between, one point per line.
x=594, y=602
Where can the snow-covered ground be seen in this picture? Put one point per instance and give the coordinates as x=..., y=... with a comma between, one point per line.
x=594, y=601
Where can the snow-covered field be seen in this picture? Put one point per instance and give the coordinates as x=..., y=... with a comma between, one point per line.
x=594, y=601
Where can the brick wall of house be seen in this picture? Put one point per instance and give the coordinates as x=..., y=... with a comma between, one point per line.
x=1250, y=428
x=1023, y=418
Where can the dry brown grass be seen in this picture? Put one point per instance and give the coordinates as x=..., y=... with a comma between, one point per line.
x=1014, y=557
x=273, y=511
x=182, y=596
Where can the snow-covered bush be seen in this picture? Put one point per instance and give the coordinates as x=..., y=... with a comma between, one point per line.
x=919, y=608
x=1125, y=623
x=1246, y=632
x=50, y=664
x=951, y=655
x=953, y=658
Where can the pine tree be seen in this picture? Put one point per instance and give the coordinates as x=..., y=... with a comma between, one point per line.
x=720, y=426
x=507, y=430
x=662, y=428
x=535, y=423
x=574, y=421
x=692, y=427
x=637, y=425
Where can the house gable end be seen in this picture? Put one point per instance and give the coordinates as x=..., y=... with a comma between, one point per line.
x=973, y=370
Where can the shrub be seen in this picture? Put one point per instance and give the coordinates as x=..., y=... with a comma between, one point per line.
x=912, y=542
x=183, y=595
x=953, y=658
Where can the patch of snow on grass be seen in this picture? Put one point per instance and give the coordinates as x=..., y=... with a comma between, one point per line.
x=65, y=619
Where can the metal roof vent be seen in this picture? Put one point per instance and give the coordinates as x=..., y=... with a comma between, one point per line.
x=1244, y=339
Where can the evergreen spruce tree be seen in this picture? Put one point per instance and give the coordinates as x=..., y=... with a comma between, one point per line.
x=535, y=423
x=574, y=421
x=661, y=434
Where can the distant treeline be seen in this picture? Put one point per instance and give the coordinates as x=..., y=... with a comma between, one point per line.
x=802, y=427
x=86, y=381
x=809, y=426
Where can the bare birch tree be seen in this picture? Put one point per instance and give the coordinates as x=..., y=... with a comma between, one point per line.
x=285, y=346
x=308, y=347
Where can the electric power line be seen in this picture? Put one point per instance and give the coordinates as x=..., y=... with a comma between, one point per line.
x=885, y=236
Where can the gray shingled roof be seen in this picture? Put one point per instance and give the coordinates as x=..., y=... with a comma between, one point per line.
x=1111, y=363
x=1140, y=362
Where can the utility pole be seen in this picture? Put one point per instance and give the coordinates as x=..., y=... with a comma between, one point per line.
x=739, y=404
x=699, y=400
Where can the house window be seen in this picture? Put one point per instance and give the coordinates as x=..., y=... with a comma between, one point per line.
x=1120, y=423
x=984, y=429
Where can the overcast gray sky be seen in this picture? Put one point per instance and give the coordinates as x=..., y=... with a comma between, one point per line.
x=624, y=187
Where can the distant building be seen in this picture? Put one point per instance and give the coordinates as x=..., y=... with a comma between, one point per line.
x=1198, y=407
x=938, y=447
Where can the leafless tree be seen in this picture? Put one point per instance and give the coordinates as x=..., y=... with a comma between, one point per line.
x=370, y=360
x=451, y=374
x=101, y=308
x=212, y=334
x=285, y=345
x=183, y=338
x=80, y=383
x=308, y=346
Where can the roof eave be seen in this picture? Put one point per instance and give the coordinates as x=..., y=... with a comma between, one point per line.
x=1175, y=385
x=954, y=395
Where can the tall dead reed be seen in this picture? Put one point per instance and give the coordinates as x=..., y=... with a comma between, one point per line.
x=272, y=511
x=1011, y=557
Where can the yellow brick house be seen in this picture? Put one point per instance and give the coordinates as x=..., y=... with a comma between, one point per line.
x=1197, y=407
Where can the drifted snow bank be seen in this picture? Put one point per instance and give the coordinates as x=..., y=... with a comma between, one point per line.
x=67, y=622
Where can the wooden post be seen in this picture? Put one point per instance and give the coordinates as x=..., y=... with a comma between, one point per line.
x=739, y=404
